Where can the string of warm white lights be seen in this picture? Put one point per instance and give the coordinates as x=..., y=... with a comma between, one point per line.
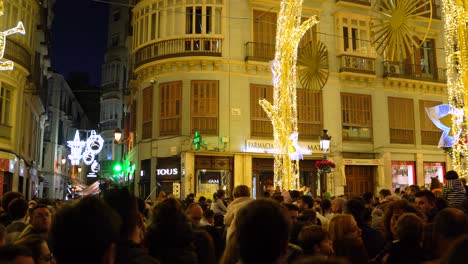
x=457, y=78
x=7, y=65
x=283, y=111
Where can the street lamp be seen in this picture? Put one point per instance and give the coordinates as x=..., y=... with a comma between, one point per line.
x=117, y=135
x=325, y=143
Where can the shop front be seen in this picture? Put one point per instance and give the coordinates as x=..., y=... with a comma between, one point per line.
x=6, y=176
x=213, y=173
x=263, y=176
x=168, y=176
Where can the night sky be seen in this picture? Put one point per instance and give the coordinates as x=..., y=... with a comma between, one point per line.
x=79, y=37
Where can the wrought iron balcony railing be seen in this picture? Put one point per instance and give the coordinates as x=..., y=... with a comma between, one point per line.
x=357, y=64
x=259, y=51
x=189, y=46
x=414, y=71
x=15, y=52
x=359, y=2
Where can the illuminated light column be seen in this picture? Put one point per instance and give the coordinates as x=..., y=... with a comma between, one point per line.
x=7, y=65
x=283, y=111
x=455, y=16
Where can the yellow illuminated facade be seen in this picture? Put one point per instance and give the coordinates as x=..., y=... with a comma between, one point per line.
x=203, y=67
x=22, y=118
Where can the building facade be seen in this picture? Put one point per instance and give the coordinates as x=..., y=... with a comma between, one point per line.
x=200, y=68
x=114, y=82
x=23, y=95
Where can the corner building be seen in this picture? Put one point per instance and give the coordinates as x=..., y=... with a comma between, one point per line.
x=203, y=65
x=23, y=96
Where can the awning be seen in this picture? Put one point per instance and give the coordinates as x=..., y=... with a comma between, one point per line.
x=91, y=189
x=79, y=186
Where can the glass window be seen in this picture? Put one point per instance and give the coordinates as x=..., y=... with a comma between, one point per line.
x=401, y=119
x=433, y=174
x=403, y=175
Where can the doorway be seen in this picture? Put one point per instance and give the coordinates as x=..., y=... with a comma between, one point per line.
x=359, y=179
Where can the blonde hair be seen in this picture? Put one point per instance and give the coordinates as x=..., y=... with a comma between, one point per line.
x=340, y=226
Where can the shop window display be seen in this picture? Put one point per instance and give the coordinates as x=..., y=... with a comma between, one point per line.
x=403, y=175
x=210, y=181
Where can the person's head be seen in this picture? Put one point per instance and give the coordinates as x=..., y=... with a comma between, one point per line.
x=241, y=191
x=326, y=205
x=16, y=254
x=343, y=226
x=409, y=228
x=394, y=210
x=338, y=205
x=368, y=198
x=9, y=197
x=219, y=194
x=208, y=214
x=295, y=194
x=293, y=212
x=305, y=202
x=39, y=248
x=450, y=223
x=125, y=204
x=308, y=217
x=315, y=241
x=383, y=194
x=425, y=201
x=18, y=208
x=412, y=189
x=451, y=175
x=202, y=199
x=92, y=219
x=356, y=207
x=41, y=218
x=195, y=213
x=262, y=231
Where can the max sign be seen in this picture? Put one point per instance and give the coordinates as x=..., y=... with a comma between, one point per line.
x=174, y=171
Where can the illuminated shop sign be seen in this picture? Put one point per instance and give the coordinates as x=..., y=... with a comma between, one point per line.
x=266, y=146
x=173, y=171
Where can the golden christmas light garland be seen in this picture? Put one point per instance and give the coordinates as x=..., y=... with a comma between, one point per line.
x=283, y=111
x=455, y=16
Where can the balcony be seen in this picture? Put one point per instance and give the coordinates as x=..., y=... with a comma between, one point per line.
x=5, y=131
x=110, y=87
x=414, y=71
x=357, y=2
x=109, y=125
x=357, y=64
x=180, y=47
x=15, y=52
x=259, y=51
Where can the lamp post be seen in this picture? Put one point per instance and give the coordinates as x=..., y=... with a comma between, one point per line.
x=324, y=146
x=325, y=143
x=120, y=141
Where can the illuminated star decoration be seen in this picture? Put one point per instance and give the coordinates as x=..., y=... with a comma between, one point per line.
x=76, y=146
x=441, y=116
x=7, y=65
x=296, y=152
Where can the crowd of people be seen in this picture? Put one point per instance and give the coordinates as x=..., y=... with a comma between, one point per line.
x=417, y=225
